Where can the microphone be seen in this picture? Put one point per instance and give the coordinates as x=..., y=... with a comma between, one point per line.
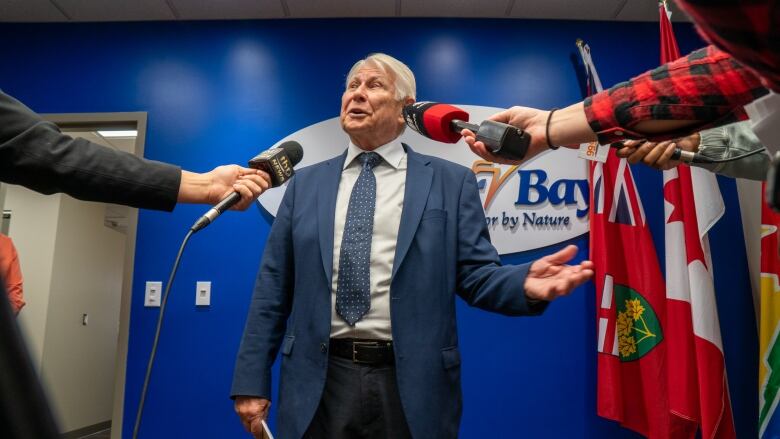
x=690, y=157
x=277, y=162
x=443, y=123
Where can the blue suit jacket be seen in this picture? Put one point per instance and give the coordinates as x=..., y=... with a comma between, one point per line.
x=443, y=248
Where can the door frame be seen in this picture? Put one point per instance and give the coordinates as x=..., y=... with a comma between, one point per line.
x=3, y=190
x=131, y=120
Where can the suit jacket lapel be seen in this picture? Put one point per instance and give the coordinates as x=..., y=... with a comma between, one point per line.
x=326, y=210
x=418, y=183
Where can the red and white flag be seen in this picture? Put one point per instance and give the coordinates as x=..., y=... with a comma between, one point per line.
x=698, y=388
x=630, y=298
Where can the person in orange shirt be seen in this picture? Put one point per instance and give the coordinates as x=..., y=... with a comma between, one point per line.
x=10, y=273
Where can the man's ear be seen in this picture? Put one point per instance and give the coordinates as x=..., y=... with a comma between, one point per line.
x=406, y=101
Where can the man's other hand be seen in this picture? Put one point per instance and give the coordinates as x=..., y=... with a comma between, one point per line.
x=549, y=277
x=252, y=410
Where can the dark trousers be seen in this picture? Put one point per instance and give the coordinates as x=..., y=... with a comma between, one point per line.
x=359, y=402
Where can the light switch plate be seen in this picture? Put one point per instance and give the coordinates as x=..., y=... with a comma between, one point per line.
x=203, y=293
x=153, y=294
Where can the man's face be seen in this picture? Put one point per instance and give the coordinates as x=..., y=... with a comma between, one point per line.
x=370, y=114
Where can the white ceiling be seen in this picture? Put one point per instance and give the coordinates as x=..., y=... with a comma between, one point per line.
x=126, y=144
x=146, y=10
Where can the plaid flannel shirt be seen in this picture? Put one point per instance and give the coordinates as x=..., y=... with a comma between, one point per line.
x=707, y=86
x=749, y=30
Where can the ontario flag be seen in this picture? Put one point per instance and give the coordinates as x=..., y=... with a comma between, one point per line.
x=630, y=299
x=698, y=388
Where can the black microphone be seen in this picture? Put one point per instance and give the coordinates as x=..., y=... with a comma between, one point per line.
x=443, y=123
x=690, y=157
x=277, y=162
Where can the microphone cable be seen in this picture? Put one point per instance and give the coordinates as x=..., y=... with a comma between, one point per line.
x=164, y=301
x=278, y=162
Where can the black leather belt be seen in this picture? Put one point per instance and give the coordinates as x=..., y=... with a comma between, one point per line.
x=368, y=352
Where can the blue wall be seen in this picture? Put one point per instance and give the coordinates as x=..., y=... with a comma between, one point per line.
x=218, y=92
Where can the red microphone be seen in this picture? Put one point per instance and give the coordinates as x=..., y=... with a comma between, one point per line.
x=443, y=123
x=434, y=121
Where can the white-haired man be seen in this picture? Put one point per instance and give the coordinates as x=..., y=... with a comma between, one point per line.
x=358, y=281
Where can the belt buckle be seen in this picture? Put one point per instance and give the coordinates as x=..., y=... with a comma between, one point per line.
x=355, y=345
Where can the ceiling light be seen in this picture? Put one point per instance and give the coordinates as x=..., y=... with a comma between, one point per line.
x=118, y=133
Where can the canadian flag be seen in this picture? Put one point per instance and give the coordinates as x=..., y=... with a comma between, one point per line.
x=698, y=388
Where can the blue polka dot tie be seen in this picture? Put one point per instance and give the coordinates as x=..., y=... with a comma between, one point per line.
x=353, y=292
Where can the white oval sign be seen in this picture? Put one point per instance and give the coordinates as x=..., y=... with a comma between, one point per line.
x=541, y=203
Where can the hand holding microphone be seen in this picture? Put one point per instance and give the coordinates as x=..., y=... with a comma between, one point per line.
x=530, y=120
x=663, y=155
x=447, y=123
x=249, y=183
x=567, y=127
x=276, y=163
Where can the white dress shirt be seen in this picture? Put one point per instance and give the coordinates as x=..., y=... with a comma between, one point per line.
x=390, y=184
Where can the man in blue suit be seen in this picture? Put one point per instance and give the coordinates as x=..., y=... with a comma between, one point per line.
x=358, y=281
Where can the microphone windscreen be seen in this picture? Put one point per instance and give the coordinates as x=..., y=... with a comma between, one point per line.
x=293, y=150
x=438, y=122
x=433, y=120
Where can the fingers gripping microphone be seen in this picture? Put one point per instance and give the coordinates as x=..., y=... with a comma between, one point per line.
x=679, y=154
x=443, y=123
x=277, y=162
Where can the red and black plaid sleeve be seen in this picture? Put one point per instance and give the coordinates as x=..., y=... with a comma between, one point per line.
x=749, y=30
x=707, y=86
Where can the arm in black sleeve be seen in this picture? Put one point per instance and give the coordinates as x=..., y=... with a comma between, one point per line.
x=35, y=154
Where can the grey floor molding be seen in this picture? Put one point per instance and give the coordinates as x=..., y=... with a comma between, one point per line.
x=86, y=431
